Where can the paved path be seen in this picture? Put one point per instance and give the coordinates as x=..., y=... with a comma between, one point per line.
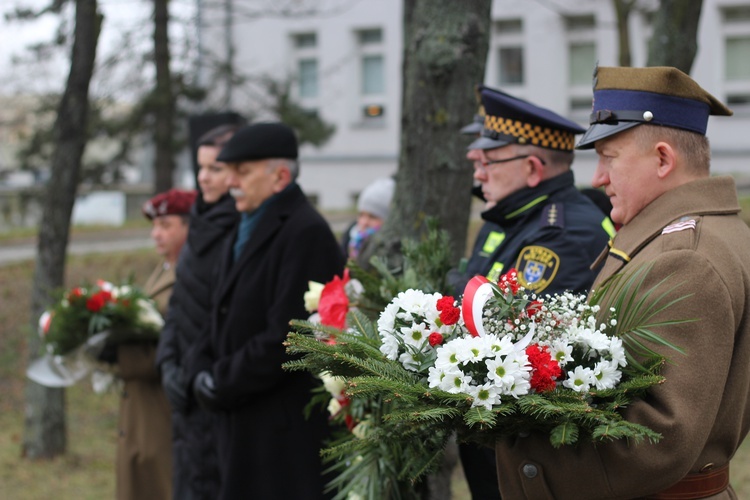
x=107, y=240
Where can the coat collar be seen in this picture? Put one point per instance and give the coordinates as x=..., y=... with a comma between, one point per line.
x=271, y=221
x=527, y=200
x=712, y=195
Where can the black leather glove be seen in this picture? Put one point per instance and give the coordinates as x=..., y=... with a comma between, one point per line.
x=174, y=385
x=205, y=392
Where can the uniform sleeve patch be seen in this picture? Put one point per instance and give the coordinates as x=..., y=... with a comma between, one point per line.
x=537, y=267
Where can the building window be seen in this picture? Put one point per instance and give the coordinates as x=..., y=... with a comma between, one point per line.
x=736, y=31
x=305, y=40
x=305, y=59
x=582, y=59
x=370, y=37
x=511, y=65
x=373, y=81
x=308, y=78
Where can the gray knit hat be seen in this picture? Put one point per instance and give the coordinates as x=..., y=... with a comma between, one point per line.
x=376, y=198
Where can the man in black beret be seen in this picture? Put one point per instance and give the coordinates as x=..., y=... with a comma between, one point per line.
x=267, y=447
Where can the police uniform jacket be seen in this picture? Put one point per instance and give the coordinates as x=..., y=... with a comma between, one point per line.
x=267, y=447
x=144, y=458
x=551, y=234
x=693, y=235
x=193, y=441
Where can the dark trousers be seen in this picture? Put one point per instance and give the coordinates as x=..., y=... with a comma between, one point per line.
x=480, y=470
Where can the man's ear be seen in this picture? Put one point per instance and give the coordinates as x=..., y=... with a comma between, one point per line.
x=667, y=159
x=283, y=178
x=534, y=169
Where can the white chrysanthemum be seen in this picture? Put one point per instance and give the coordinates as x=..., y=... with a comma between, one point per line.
x=390, y=347
x=498, y=346
x=435, y=376
x=472, y=349
x=456, y=381
x=606, y=374
x=594, y=339
x=485, y=395
x=407, y=360
x=580, y=379
x=387, y=320
x=617, y=351
x=415, y=335
x=520, y=387
x=447, y=354
x=503, y=370
x=561, y=351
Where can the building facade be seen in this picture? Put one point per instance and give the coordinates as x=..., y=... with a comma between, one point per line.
x=345, y=58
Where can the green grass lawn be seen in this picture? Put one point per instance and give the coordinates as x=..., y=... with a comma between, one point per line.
x=86, y=471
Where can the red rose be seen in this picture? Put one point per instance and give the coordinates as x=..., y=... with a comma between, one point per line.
x=435, y=339
x=508, y=282
x=96, y=302
x=334, y=304
x=544, y=369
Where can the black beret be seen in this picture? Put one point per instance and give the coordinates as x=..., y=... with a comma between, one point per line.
x=260, y=141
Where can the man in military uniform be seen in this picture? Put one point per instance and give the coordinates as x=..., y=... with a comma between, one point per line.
x=540, y=223
x=648, y=127
x=536, y=220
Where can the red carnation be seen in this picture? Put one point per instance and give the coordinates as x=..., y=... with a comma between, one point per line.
x=544, y=370
x=508, y=282
x=449, y=314
x=75, y=293
x=435, y=339
x=334, y=304
x=533, y=308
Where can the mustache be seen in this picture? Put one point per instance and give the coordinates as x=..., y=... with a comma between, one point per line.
x=236, y=193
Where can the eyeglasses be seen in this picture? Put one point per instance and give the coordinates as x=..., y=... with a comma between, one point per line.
x=485, y=164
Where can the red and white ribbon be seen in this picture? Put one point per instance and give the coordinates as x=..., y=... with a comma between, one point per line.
x=477, y=292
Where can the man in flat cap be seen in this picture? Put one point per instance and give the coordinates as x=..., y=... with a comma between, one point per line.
x=536, y=221
x=144, y=459
x=267, y=447
x=648, y=127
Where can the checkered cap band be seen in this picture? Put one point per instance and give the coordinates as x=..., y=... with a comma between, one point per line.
x=526, y=133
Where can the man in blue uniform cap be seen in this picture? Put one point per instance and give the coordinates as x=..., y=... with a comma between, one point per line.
x=536, y=220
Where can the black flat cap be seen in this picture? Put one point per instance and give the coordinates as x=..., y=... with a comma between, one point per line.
x=260, y=141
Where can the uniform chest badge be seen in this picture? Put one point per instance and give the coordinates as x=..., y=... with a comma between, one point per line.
x=537, y=267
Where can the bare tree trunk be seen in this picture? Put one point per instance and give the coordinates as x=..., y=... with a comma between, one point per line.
x=45, y=431
x=675, y=38
x=445, y=53
x=623, y=8
x=163, y=100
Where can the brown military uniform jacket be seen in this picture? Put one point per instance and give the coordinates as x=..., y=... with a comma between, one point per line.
x=144, y=446
x=703, y=408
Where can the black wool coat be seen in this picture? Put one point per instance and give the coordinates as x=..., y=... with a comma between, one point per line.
x=267, y=447
x=193, y=440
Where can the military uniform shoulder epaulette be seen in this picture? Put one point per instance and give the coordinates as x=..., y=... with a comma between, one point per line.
x=553, y=215
x=681, y=234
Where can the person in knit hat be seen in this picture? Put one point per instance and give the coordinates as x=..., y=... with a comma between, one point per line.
x=373, y=206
